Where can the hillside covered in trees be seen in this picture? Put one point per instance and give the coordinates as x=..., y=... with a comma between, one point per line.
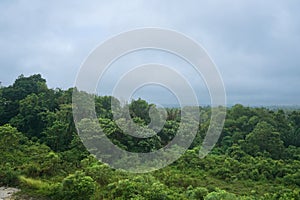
x=256, y=157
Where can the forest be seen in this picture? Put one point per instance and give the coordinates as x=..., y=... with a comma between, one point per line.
x=256, y=157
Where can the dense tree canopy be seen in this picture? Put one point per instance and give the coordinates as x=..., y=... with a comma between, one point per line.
x=257, y=155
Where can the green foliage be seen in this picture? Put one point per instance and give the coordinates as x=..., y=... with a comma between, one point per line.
x=100, y=172
x=104, y=104
x=8, y=176
x=140, y=108
x=10, y=138
x=138, y=187
x=11, y=95
x=196, y=193
x=256, y=157
x=41, y=188
x=264, y=138
x=77, y=186
x=220, y=194
x=33, y=183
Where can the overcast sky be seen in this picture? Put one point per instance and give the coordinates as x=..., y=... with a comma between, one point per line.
x=255, y=44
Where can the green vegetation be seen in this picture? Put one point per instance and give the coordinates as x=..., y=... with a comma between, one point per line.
x=256, y=157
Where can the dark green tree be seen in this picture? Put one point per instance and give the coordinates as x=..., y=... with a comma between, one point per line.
x=262, y=139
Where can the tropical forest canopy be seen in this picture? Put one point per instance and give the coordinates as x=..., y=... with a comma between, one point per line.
x=256, y=157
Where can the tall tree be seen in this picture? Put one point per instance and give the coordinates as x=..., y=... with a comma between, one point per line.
x=264, y=139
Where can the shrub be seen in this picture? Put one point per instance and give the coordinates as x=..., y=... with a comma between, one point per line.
x=197, y=193
x=8, y=176
x=220, y=194
x=77, y=186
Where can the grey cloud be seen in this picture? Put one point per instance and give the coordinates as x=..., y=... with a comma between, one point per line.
x=255, y=43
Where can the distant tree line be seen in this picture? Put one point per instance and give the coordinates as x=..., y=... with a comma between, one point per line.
x=256, y=157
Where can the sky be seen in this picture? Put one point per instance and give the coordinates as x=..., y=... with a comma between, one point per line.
x=255, y=44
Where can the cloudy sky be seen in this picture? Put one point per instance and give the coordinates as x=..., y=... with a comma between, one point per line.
x=255, y=44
